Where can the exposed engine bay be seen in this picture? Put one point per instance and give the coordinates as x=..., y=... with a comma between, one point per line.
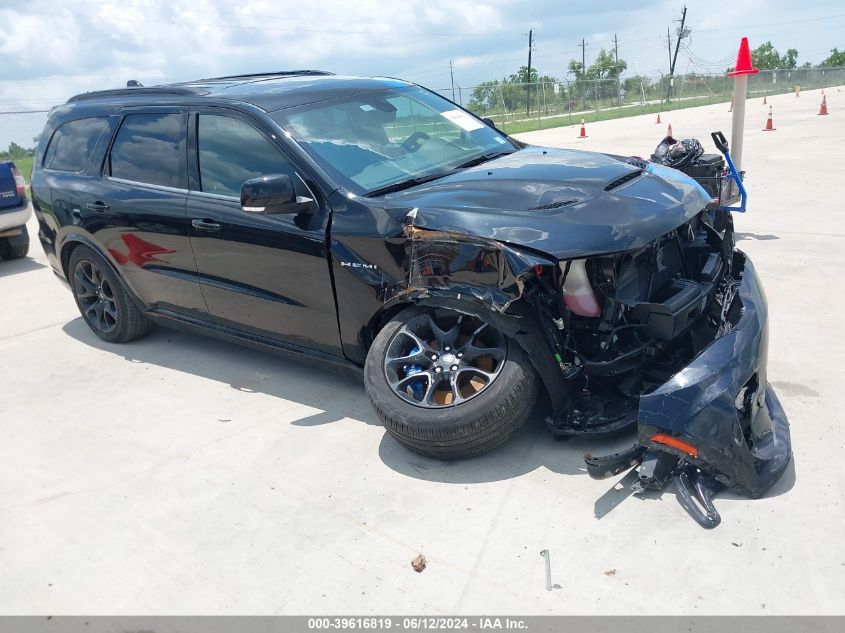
x=625, y=328
x=625, y=323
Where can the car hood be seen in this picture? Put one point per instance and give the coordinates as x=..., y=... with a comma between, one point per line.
x=563, y=202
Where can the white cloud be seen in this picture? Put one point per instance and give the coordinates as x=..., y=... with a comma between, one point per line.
x=50, y=49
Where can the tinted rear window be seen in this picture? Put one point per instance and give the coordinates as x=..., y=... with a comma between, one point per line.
x=72, y=144
x=148, y=148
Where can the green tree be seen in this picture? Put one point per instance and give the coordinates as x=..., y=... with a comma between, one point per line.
x=606, y=66
x=16, y=151
x=522, y=76
x=790, y=60
x=485, y=97
x=489, y=95
x=576, y=68
x=767, y=57
x=836, y=59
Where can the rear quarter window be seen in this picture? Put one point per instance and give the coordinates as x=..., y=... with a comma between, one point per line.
x=72, y=143
x=149, y=148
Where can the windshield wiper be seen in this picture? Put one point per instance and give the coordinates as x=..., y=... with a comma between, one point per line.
x=478, y=160
x=404, y=184
x=410, y=182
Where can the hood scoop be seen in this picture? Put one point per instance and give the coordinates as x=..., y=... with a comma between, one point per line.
x=556, y=204
x=613, y=184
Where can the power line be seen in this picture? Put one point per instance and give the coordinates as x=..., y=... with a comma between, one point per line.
x=790, y=22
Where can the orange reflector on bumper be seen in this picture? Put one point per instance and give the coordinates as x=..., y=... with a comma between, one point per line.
x=689, y=449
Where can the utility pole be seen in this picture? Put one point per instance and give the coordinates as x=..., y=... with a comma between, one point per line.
x=528, y=86
x=681, y=35
x=669, y=44
x=583, y=46
x=616, y=56
x=452, y=75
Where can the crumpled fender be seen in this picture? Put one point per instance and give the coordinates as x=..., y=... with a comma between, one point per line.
x=446, y=264
x=481, y=277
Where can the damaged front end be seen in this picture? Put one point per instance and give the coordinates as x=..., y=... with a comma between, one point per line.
x=672, y=339
x=621, y=281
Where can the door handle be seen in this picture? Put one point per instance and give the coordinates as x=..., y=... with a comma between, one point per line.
x=205, y=225
x=97, y=206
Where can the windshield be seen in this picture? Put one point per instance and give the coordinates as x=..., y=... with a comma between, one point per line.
x=376, y=141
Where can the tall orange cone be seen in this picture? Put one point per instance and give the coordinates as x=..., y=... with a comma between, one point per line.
x=669, y=130
x=658, y=119
x=823, y=109
x=797, y=90
x=583, y=133
x=769, y=127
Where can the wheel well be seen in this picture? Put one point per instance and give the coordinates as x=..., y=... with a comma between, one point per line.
x=380, y=319
x=67, y=251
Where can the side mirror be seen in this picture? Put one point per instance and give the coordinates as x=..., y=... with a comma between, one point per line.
x=271, y=194
x=489, y=122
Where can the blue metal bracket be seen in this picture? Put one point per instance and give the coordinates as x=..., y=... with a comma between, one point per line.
x=722, y=145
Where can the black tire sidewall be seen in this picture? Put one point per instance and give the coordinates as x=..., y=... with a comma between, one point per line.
x=15, y=247
x=123, y=301
x=460, y=423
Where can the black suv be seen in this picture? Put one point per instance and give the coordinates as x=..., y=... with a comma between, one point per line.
x=372, y=224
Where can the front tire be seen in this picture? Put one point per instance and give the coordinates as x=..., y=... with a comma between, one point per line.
x=103, y=300
x=447, y=385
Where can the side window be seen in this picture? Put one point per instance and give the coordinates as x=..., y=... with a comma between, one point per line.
x=72, y=143
x=148, y=149
x=231, y=152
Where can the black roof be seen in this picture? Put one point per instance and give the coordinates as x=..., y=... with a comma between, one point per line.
x=269, y=91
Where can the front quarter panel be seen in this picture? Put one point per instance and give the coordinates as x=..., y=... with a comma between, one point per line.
x=381, y=265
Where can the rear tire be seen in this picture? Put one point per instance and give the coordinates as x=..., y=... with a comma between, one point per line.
x=16, y=246
x=471, y=427
x=103, y=300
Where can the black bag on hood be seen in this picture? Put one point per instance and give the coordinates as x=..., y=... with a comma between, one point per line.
x=677, y=154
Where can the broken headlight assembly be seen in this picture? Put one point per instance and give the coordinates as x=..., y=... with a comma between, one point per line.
x=671, y=339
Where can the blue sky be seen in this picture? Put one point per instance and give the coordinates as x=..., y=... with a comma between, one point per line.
x=51, y=49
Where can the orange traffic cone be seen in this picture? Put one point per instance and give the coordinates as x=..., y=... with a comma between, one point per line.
x=764, y=100
x=669, y=130
x=797, y=91
x=823, y=109
x=583, y=133
x=769, y=127
x=658, y=119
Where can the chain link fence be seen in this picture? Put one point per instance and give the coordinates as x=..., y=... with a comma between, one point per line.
x=19, y=133
x=518, y=107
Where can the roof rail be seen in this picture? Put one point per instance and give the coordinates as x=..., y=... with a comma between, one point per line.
x=151, y=91
x=278, y=73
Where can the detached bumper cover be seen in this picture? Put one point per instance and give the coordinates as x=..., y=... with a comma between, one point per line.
x=722, y=405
